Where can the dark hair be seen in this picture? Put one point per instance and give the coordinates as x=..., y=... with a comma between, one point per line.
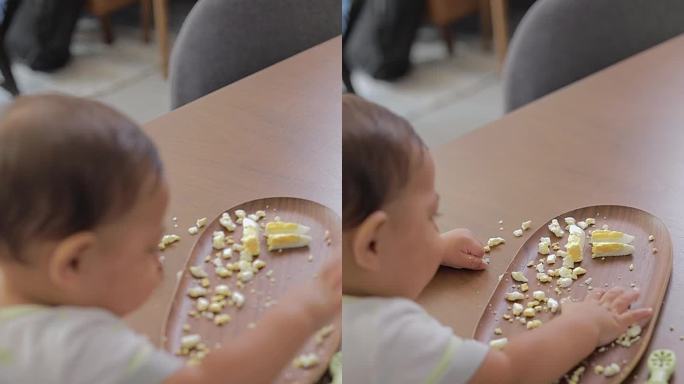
x=378, y=150
x=68, y=164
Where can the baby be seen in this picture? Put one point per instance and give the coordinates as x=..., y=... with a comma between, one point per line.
x=82, y=202
x=391, y=250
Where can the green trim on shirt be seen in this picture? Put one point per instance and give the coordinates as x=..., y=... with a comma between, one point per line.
x=14, y=311
x=348, y=298
x=138, y=359
x=443, y=365
x=6, y=357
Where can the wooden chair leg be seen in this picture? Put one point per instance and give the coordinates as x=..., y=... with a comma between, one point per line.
x=145, y=14
x=485, y=23
x=107, y=31
x=448, y=38
x=500, y=26
x=161, y=23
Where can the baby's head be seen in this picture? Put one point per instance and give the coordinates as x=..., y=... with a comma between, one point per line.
x=391, y=243
x=81, y=205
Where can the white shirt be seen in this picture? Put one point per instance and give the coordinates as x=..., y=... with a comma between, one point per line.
x=71, y=345
x=393, y=340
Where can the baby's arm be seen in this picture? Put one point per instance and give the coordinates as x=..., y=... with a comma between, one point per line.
x=546, y=353
x=259, y=356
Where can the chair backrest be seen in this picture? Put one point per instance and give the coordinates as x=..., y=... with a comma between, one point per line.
x=222, y=41
x=561, y=41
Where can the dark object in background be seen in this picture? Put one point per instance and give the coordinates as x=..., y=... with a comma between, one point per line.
x=559, y=42
x=381, y=38
x=41, y=32
x=7, y=10
x=224, y=41
x=350, y=13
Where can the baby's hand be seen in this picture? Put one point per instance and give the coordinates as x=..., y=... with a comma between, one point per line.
x=609, y=311
x=462, y=250
x=322, y=299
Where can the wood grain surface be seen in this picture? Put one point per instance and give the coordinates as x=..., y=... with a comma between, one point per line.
x=290, y=268
x=275, y=133
x=614, y=138
x=650, y=274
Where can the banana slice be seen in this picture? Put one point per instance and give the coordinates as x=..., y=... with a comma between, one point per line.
x=287, y=240
x=606, y=236
x=611, y=249
x=280, y=227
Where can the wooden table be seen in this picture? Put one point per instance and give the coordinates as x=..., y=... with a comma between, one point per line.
x=275, y=133
x=616, y=137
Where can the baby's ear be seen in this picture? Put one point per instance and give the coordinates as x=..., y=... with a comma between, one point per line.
x=66, y=261
x=365, y=241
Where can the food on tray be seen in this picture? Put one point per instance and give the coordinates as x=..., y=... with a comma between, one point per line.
x=575, y=245
x=606, y=236
x=287, y=240
x=611, y=249
x=282, y=227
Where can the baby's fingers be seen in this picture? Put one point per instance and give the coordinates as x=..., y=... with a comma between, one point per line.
x=473, y=262
x=612, y=294
x=475, y=248
x=596, y=294
x=622, y=302
x=634, y=316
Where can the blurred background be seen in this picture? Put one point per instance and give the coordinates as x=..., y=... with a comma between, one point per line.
x=103, y=49
x=441, y=67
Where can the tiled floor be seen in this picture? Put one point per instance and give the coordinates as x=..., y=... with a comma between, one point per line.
x=443, y=97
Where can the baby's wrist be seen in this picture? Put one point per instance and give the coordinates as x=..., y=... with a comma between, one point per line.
x=588, y=326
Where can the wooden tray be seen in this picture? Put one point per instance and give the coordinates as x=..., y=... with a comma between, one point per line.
x=290, y=268
x=651, y=275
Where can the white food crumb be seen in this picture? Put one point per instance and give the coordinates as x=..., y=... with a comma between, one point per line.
x=306, y=361
x=526, y=225
x=517, y=309
x=238, y=298
x=498, y=343
x=611, y=370
x=514, y=296
x=518, y=276
x=201, y=222
x=494, y=241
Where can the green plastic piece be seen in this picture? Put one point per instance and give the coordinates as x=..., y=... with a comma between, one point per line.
x=336, y=368
x=661, y=366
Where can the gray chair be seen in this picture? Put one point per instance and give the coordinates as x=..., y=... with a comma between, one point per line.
x=561, y=41
x=222, y=41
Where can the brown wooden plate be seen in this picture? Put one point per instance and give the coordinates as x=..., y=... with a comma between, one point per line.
x=651, y=275
x=290, y=268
